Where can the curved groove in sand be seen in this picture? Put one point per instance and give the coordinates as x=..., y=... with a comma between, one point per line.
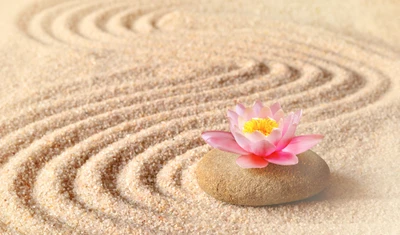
x=95, y=24
x=120, y=23
x=169, y=178
x=148, y=22
x=40, y=25
x=70, y=131
x=100, y=161
x=29, y=21
x=66, y=26
x=43, y=144
x=52, y=181
x=129, y=150
x=37, y=129
x=99, y=170
x=75, y=22
x=75, y=98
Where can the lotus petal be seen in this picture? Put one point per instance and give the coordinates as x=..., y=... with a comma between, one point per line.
x=265, y=112
x=241, y=140
x=297, y=116
x=283, y=158
x=251, y=161
x=287, y=137
x=248, y=114
x=287, y=121
x=255, y=136
x=262, y=148
x=257, y=107
x=240, y=109
x=274, y=136
x=278, y=115
x=275, y=107
x=302, y=143
x=222, y=140
x=241, y=122
x=233, y=116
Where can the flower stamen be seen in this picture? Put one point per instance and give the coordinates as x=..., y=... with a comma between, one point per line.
x=263, y=125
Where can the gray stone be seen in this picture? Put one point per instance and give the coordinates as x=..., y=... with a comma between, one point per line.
x=219, y=176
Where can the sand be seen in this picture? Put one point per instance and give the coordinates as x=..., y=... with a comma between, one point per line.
x=102, y=105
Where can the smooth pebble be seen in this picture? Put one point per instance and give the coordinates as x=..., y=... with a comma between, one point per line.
x=219, y=176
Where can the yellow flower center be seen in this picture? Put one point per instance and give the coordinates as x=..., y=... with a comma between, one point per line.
x=263, y=125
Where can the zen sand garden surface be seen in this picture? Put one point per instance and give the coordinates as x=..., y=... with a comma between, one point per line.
x=103, y=104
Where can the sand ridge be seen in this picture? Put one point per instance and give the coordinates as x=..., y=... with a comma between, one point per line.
x=114, y=152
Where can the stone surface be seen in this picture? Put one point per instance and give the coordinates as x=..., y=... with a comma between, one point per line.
x=220, y=176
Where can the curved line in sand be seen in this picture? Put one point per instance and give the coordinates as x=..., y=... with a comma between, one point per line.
x=67, y=101
x=298, y=42
x=30, y=22
x=46, y=147
x=74, y=22
x=101, y=182
x=40, y=128
x=140, y=152
x=113, y=227
x=98, y=23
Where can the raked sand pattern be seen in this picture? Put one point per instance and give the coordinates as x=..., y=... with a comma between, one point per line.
x=114, y=151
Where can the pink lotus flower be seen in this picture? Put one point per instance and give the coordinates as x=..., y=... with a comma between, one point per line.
x=262, y=135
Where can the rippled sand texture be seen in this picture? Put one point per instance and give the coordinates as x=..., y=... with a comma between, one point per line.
x=103, y=103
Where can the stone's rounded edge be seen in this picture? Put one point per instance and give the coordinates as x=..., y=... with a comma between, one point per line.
x=219, y=176
x=205, y=174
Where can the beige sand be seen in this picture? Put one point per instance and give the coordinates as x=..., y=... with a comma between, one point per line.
x=102, y=106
